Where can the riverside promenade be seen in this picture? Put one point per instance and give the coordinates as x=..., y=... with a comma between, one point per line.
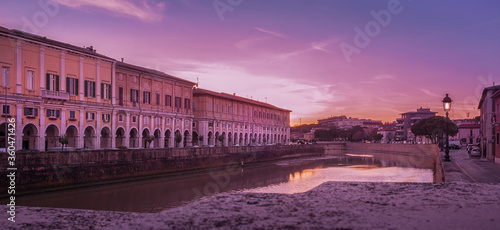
x=465, y=168
x=468, y=199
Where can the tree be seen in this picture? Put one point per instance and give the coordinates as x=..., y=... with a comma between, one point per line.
x=378, y=137
x=150, y=139
x=63, y=140
x=358, y=136
x=434, y=128
x=178, y=138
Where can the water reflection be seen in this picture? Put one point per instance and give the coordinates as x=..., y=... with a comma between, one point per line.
x=289, y=176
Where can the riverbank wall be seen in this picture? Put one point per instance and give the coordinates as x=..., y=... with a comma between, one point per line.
x=410, y=155
x=44, y=171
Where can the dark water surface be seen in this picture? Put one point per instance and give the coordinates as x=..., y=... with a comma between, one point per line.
x=287, y=176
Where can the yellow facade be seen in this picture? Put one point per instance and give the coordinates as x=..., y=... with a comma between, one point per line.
x=54, y=89
x=228, y=120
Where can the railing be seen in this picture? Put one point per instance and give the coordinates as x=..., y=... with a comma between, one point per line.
x=55, y=95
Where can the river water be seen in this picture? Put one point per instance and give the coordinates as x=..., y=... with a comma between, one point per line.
x=287, y=176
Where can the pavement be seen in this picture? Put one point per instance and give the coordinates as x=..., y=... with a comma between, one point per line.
x=465, y=168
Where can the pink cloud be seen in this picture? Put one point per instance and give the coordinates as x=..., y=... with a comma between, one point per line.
x=147, y=11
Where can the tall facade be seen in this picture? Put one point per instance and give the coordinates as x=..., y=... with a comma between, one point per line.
x=151, y=104
x=228, y=120
x=489, y=106
x=54, y=89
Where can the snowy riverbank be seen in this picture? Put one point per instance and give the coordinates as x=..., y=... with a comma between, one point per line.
x=357, y=205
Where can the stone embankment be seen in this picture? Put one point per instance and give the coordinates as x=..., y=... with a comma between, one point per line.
x=69, y=169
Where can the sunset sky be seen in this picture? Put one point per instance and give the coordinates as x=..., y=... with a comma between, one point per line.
x=366, y=59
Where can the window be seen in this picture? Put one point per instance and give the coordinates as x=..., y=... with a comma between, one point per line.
x=187, y=103
x=210, y=106
x=105, y=91
x=194, y=124
x=177, y=102
x=146, y=99
x=30, y=80
x=30, y=112
x=177, y=122
x=72, y=86
x=120, y=118
x=168, y=100
x=52, y=82
x=90, y=89
x=134, y=95
x=134, y=119
x=216, y=108
x=134, y=79
x=194, y=106
x=5, y=76
x=53, y=113
x=146, y=120
x=5, y=109
x=168, y=121
x=120, y=95
x=210, y=124
x=89, y=116
x=230, y=109
x=106, y=117
x=157, y=98
x=223, y=111
x=157, y=121
x=72, y=115
x=120, y=76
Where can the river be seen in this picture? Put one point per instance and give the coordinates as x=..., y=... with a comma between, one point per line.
x=286, y=176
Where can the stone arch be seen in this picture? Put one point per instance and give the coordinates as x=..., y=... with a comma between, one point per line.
x=88, y=137
x=229, y=139
x=156, y=141
x=133, y=138
x=210, y=139
x=177, y=144
x=73, y=135
x=217, y=142
x=106, y=137
x=145, y=135
x=236, y=139
x=195, y=139
x=51, y=137
x=169, y=142
x=30, y=136
x=120, y=137
x=186, y=138
x=224, y=138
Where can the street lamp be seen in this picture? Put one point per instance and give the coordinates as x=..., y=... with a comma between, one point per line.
x=447, y=107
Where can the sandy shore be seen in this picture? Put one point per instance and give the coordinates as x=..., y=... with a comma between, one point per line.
x=342, y=205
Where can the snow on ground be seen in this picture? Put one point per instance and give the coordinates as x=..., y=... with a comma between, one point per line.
x=342, y=205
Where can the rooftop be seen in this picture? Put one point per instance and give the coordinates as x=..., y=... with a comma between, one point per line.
x=236, y=98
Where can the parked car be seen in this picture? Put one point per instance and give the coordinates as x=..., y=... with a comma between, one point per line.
x=476, y=152
x=455, y=146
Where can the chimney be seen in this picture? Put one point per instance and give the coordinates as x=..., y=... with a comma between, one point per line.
x=122, y=60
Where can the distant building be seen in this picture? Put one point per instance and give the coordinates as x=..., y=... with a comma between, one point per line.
x=489, y=131
x=469, y=133
x=388, y=132
x=344, y=122
x=403, y=128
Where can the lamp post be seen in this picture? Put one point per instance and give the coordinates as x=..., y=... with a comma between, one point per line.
x=447, y=107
